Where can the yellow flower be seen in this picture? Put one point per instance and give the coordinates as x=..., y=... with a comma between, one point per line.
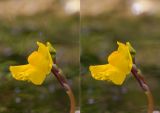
x=120, y=64
x=39, y=65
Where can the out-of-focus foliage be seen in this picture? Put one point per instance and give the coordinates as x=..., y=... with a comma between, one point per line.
x=99, y=35
x=18, y=36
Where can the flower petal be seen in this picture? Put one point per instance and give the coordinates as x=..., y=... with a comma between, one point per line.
x=108, y=72
x=41, y=59
x=100, y=72
x=18, y=72
x=28, y=72
x=44, y=50
x=38, y=61
x=39, y=65
x=121, y=59
x=36, y=76
x=116, y=76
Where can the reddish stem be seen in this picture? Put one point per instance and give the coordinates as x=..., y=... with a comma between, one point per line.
x=139, y=78
x=58, y=74
x=145, y=87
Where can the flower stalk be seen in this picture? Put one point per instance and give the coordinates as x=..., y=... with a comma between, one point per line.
x=138, y=75
x=61, y=79
x=59, y=75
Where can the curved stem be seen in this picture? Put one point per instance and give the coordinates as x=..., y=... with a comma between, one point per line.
x=58, y=74
x=71, y=97
x=150, y=101
x=145, y=87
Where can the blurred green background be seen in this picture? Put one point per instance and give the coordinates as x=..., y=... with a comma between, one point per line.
x=22, y=24
x=102, y=25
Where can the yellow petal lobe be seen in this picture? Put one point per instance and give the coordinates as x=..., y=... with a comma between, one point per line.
x=100, y=72
x=121, y=58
